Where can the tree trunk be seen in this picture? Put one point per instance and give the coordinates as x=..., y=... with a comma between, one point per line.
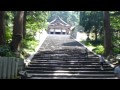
x=107, y=33
x=24, y=24
x=88, y=34
x=80, y=18
x=2, y=28
x=17, y=31
x=95, y=34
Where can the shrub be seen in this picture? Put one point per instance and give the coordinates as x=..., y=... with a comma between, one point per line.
x=28, y=46
x=116, y=50
x=5, y=51
x=99, y=49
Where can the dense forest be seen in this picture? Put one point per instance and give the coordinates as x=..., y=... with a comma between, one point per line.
x=103, y=31
x=18, y=29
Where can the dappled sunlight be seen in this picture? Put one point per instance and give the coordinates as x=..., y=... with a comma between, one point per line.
x=62, y=73
x=72, y=63
x=81, y=36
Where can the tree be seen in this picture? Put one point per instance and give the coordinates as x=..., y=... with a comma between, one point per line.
x=81, y=15
x=92, y=21
x=97, y=22
x=17, y=31
x=24, y=24
x=115, y=26
x=86, y=21
x=20, y=30
x=2, y=28
x=107, y=33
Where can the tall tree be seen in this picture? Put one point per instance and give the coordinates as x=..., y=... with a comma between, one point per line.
x=97, y=22
x=92, y=21
x=2, y=28
x=81, y=15
x=17, y=31
x=107, y=33
x=24, y=24
x=115, y=25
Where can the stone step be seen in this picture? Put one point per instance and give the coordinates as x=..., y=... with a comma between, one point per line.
x=81, y=72
x=71, y=75
x=59, y=52
x=72, y=78
x=62, y=52
x=68, y=56
x=68, y=69
x=64, y=55
x=82, y=61
x=41, y=65
x=63, y=58
x=35, y=60
x=67, y=63
x=66, y=59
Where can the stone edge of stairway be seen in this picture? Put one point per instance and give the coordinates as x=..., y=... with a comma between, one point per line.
x=93, y=52
x=28, y=60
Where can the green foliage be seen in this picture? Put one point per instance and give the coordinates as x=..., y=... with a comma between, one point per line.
x=8, y=34
x=94, y=43
x=115, y=20
x=5, y=51
x=116, y=50
x=28, y=45
x=115, y=26
x=99, y=49
x=116, y=44
x=88, y=44
x=9, y=26
x=36, y=20
x=92, y=21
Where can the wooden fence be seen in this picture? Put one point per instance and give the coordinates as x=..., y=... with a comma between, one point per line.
x=9, y=67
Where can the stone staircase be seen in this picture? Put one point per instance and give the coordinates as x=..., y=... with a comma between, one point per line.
x=51, y=65
x=67, y=63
